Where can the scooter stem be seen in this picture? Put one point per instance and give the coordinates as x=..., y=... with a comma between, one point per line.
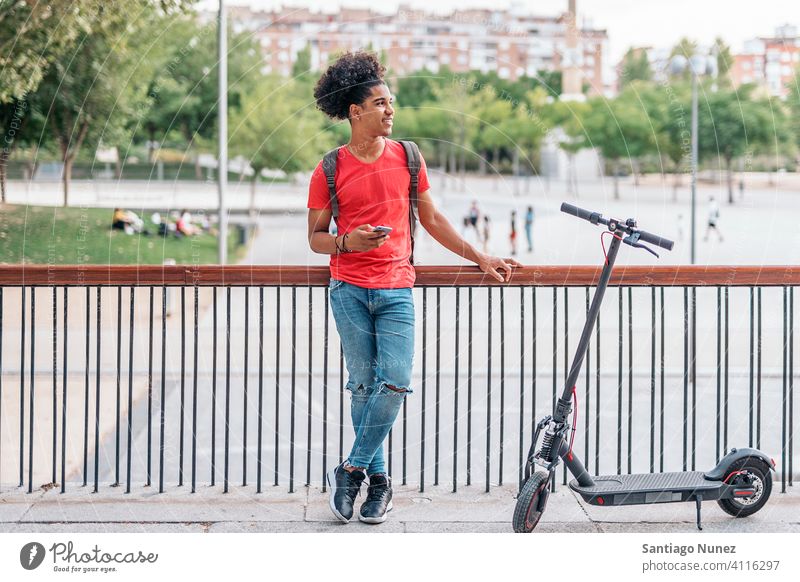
x=564, y=405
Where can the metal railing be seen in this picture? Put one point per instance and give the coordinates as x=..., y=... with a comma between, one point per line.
x=713, y=356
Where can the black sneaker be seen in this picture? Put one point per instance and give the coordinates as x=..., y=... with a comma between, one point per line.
x=344, y=488
x=379, y=499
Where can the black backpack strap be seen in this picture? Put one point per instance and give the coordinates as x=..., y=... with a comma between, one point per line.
x=329, y=167
x=414, y=164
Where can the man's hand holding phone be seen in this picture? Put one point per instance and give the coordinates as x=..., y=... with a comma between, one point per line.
x=366, y=237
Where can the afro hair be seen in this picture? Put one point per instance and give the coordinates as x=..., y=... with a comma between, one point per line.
x=349, y=80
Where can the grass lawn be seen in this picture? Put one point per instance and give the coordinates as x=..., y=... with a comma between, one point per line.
x=69, y=236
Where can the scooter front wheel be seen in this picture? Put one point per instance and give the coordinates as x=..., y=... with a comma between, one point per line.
x=529, y=506
x=751, y=473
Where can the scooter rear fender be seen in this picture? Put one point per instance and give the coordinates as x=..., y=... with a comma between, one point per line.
x=722, y=469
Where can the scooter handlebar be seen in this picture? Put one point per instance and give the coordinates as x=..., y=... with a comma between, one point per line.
x=579, y=212
x=654, y=239
x=596, y=217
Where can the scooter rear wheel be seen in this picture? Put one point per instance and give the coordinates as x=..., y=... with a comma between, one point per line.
x=755, y=474
x=526, y=512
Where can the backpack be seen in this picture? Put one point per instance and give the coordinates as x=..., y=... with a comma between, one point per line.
x=414, y=164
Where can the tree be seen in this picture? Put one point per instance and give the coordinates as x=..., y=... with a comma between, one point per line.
x=619, y=128
x=275, y=128
x=734, y=123
x=635, y=67
x=32, y=36
x=88, y=95
x=724, y=58
x=188, y=87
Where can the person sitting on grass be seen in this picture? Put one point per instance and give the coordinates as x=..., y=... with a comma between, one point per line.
x=128, y=221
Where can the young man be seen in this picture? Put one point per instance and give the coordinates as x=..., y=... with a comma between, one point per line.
x=371, y=273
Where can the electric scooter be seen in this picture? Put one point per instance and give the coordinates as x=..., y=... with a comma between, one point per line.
x=741, y=482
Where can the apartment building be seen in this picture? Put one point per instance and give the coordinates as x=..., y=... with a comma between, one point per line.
x=512, y=42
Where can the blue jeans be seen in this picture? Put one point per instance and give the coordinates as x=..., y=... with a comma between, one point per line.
x=376, y=328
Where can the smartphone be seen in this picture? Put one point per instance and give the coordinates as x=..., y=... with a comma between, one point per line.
x=384, y=229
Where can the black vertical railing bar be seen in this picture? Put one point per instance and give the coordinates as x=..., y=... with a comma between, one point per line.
x=469, y=387
x=55, y=385
x=277, y=379
x=587, y=393
x=97, y=396
x=661, y=398
x=119, y=381
x=162, y=407
x=630, y=379
x=685, y=376
x=149, y=393
x=750, y=408
x=726, y=352
x=32, y=389
x=292, y=402
x=310, y=395
x=566, y=357
x=791, y=385
x=455, y=395
x=533, y=361
x=438, y=386
x=1, y=387
x=488, y=388
x=261, y=384
x=652, y=379
x=555, y=368
x=183, y=387
x=63, y=390
x=718, y=415
x=341, y=403
x=424, y=386
x=227, y=387
x=214, y=387
x=131, y=319
x=784, y=365
x=758, y=379
x=325, y=346
x=195, y=349
x=521, y=461
x=86, y=394
x=694, y=378
x=597, y=401
x=22, y=389
x=502, y=383
x=246, y=377
x=619, y=384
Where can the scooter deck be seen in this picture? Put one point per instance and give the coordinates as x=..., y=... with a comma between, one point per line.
x=648, y=488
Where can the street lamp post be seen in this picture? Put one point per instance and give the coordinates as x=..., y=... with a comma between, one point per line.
x=699, y=64
x=222, y=178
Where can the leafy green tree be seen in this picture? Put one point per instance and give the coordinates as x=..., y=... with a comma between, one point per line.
x=724, y=59
x=188, y=87
x=275, y=128
x=32, y=36
x=732, y=124
x=635, y=67
x=620, y=129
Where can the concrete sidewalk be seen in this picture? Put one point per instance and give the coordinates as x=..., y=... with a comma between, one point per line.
x=436, y=510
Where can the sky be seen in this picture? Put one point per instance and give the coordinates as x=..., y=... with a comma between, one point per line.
x=657, y=23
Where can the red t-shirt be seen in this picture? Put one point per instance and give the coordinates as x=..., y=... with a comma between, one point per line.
x=376, y=194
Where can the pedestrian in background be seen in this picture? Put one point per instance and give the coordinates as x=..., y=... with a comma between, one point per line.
x=529, y=228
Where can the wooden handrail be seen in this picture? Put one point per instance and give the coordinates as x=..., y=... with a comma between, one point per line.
x=427, y=276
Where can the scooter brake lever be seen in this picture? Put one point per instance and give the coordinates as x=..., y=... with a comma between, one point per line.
x=633, y=239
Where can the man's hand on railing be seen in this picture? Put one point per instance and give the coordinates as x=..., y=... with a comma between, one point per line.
x=364, y=238
x=493, y=266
